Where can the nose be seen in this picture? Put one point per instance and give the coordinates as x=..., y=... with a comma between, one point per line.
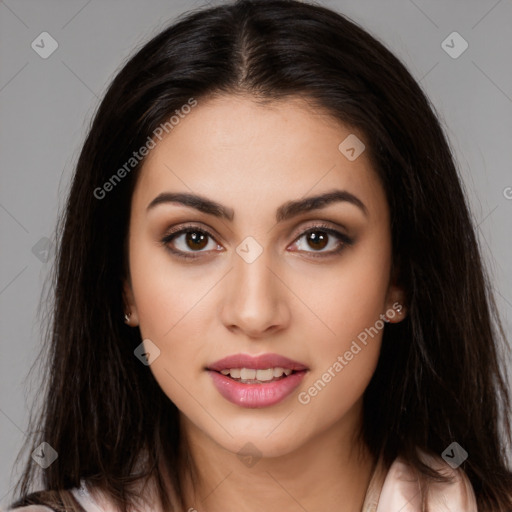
x=255, y=299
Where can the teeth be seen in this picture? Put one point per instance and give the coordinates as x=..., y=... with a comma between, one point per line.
x=252, y=374
x=264, y=374
x=235, y=373
x=247, y=373
x=278, y=372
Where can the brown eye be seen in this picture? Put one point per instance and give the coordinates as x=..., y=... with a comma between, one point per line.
x=196, y=240
x=317, y=239
x=187, y=241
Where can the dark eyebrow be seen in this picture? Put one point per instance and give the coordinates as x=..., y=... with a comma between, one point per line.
x=286, y=211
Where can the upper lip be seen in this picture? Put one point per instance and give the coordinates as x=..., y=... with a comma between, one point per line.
x=261, y=362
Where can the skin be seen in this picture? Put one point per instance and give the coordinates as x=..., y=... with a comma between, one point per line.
x=254, y=158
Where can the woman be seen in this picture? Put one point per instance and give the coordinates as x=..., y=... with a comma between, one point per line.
x=269, y=291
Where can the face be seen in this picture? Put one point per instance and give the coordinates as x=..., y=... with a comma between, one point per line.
x=260, y=275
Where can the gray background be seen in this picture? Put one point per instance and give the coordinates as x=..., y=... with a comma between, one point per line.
x=46, y=106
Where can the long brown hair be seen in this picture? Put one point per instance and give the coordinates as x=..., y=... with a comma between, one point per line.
x=439, y=378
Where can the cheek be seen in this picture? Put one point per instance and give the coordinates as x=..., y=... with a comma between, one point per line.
x=344, y=360
x=349, y=297
x=163, y=294
x=347, y=344
x=171, y=305
x=165, y=307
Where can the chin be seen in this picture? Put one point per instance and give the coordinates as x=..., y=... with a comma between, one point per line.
x=259, y=443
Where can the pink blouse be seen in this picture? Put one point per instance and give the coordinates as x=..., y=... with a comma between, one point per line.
x=399, y=489
x=394, y=491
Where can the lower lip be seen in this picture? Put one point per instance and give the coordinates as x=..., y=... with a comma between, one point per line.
x=256, y=395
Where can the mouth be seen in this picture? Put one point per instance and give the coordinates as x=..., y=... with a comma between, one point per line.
x=256, y=382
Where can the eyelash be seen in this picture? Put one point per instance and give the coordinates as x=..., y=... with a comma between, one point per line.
x=345, y=241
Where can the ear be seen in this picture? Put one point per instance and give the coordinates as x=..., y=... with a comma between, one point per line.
x=396, y=309
x=130, y=309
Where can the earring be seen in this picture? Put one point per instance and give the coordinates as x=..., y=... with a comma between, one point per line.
x=127, y=317
x=392, y=313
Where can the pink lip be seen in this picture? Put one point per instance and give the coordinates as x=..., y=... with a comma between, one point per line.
x=256, y=395
x=261, y=362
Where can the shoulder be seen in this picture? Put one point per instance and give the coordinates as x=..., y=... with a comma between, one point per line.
x=84, y=498
x=64, y=500
x=401, y=489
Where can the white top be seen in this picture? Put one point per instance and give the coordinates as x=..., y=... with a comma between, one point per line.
x=396, y=490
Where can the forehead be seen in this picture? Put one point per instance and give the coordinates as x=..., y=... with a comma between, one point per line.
x=241, y=151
